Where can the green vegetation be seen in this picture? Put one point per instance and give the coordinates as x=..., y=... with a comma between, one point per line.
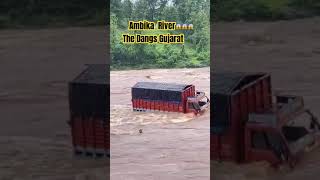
x=194, y=52
x=44, y=13
x=254, y=10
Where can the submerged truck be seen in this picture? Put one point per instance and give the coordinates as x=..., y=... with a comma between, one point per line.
x=89, y=111
x=249, y=123
x=168, y=97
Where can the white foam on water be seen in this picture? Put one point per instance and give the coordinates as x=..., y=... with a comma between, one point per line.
x=126, y=121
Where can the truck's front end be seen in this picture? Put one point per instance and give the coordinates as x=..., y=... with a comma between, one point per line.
x=283, y=134
x=198, y=103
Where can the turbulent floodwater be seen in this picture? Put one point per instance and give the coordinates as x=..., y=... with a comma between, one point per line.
x=172, y=145
x=34, y=138
x=35, y=68
x=126, y=121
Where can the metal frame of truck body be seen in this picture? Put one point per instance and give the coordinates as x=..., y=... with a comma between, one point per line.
x=252, y=97
x=282, y=114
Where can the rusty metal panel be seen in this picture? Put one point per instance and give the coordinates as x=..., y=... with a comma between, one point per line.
x=239, y=95
x=90, y=135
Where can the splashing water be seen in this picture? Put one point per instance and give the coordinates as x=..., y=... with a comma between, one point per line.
x=125, y=121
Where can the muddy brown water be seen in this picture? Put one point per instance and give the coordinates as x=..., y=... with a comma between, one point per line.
x=35, y=67
x=171, y=145
x=35, y=139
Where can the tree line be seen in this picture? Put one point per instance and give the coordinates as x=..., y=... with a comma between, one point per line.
x=263, y=10
x=44, y=13
x=195, y=51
